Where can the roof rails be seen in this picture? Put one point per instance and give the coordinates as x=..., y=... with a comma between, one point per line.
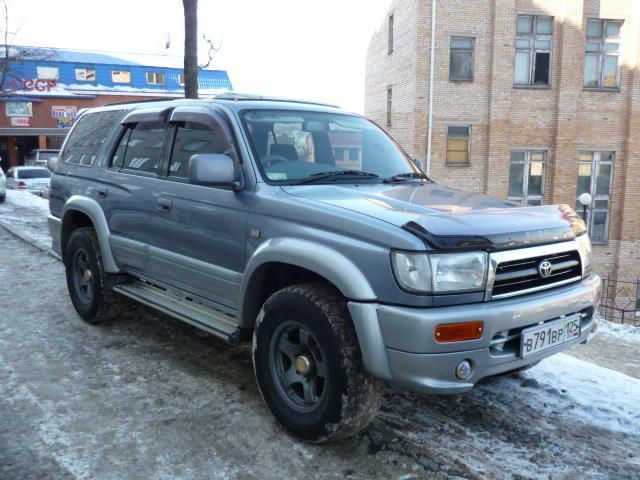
x=231, y=96
x=236, y=96
x=151, y=100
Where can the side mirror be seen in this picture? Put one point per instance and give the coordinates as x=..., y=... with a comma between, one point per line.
x=214, y=169
x=52, y=164
x=418, y=163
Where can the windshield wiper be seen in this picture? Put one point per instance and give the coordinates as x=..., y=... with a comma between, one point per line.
x=316, y=177
x=402, y=177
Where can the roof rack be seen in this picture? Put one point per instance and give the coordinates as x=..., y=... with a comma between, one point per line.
x=239, y=97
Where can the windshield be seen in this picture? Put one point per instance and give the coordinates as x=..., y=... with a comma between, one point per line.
x=292, y=146
x=34, y=173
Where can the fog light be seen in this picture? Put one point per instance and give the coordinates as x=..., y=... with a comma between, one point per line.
x=463, y=370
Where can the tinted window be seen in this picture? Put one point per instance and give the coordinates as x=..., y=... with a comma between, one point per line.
x=87, y=137
x=193, y=138
x=143, y=149
x=34, y=173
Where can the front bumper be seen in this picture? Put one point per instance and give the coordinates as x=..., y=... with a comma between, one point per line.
x=398, y=346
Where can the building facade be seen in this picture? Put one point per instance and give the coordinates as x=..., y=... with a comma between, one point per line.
x=44, y=89
x=537, y=101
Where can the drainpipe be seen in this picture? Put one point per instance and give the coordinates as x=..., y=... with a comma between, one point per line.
x=431, y=62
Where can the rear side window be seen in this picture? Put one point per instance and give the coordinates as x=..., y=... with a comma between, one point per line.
x=193, y=138
x=141, y=147
x=88, y=136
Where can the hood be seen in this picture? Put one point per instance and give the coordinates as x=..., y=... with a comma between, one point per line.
x=448, y=219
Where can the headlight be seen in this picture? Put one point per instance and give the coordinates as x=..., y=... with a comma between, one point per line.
x=586, y=252
x=440, y=273
x=412, y=271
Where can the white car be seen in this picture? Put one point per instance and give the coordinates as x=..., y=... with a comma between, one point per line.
x=30, y=179
x=3, y=186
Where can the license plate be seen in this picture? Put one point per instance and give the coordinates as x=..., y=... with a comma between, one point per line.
x=549, y=334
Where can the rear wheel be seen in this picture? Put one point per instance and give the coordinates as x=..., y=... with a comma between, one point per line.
x=90, y=296
x=3, y=198
x=308, y=364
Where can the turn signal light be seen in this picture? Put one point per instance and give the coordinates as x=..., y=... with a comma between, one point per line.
x=457, y=332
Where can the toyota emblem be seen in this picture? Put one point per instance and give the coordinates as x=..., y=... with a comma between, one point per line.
x=544, y=269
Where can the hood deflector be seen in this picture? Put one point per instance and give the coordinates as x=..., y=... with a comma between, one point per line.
x=498, y=229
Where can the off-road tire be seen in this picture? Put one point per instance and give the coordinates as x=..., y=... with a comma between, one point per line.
x=352, y=395
x=104, y=304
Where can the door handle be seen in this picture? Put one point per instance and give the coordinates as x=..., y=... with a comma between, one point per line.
x=164, y=204
x=102, y=192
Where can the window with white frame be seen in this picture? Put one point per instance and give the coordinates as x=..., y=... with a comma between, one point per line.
x=181, y=79
x=85, y=74
x=458, y=145
x=461, y=58
x=120, y=76
x=47, y=73
x=594, y=177
x=602, y=55
x=533, y=50
x=155, y=78
x=526, y=176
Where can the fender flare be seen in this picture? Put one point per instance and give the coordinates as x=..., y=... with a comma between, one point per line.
x=92, y=209
x=320, y=259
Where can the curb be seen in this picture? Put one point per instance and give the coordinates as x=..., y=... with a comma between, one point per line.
x=25, y=238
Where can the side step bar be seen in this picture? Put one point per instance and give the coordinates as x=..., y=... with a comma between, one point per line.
x=210, y=320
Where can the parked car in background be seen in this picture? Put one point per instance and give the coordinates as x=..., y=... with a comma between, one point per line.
x=30, y=179
x=40, y=156
x=3, y=186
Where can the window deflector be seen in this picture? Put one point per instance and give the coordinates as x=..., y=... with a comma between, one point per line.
x=146, y=115
x=212, y=119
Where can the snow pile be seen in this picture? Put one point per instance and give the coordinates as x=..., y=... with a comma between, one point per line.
x=602, y=397
x=625, y=332
x=25, y=199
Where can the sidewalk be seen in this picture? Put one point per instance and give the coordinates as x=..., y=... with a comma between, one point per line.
x=616, y=347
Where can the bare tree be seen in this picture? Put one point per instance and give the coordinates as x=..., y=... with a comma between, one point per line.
x=12, y=57
x=190, y=48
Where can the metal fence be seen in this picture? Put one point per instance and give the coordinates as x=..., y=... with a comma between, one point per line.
x=621, y=301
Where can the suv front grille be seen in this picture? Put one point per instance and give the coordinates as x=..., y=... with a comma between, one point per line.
x=521, y=276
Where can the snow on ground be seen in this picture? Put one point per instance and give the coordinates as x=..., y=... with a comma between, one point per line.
x=151, y=392
x=625, y=332
x=26, y=215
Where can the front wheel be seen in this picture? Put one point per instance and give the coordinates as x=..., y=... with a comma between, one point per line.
x=308, y=364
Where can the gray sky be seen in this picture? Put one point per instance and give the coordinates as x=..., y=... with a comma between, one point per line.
x=297, y=48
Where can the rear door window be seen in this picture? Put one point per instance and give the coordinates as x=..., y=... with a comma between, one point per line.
x=88, y=135
x=141, y=147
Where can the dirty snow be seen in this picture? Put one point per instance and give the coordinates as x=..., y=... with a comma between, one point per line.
x=150, y=397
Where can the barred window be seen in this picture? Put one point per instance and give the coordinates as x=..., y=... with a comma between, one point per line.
x=526, y=176
x=595, y=172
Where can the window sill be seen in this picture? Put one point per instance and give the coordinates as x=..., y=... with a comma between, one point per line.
x=466, y=164
x=532, y=87
x=601, y=90
x=461, y=80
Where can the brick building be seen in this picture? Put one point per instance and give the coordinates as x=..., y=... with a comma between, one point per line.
x=532, y=100
x=45, y=89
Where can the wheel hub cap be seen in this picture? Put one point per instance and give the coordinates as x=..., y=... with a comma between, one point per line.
x=86, y=275
x=303, y=365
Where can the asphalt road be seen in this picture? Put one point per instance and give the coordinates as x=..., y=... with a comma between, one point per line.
x=149, y=397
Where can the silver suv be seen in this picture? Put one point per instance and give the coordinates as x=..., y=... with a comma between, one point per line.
x=309, y=231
